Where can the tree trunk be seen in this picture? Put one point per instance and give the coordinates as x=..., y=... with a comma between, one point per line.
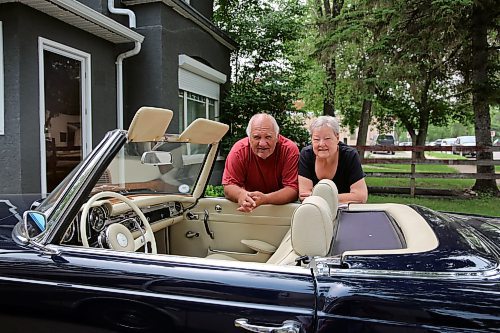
x=364, y=122
x=330, y=85
x=480, y=22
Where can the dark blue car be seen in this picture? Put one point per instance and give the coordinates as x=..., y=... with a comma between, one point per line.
x=128, y=243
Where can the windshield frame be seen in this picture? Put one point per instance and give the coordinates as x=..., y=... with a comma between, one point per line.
x=75, y=189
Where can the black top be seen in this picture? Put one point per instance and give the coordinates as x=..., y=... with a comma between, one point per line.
x=348, y=171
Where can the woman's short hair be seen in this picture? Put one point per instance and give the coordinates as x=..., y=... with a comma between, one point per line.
x=263, y=115
x=328, y=121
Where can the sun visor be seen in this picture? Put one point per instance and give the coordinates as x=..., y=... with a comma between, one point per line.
x=204, y=131
x=149, y=124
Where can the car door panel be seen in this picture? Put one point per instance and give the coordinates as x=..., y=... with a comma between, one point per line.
x=267, y=223
x=100, y=291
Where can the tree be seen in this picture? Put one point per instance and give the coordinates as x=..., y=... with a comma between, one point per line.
x=265, y=76
x=485, y=16
x=326, y=12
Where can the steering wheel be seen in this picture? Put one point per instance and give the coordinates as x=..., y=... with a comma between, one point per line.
x=118, y=236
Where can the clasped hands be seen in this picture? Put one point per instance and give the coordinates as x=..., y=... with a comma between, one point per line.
x=248, y=201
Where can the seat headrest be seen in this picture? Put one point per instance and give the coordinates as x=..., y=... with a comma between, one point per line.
x=312, y=227
x=327, y=190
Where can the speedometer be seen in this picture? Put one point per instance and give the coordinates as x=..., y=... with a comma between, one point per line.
x=97, y=218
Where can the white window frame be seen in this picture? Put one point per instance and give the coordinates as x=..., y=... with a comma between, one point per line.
x=2, y=87
x=197, y=78
x=45, y=44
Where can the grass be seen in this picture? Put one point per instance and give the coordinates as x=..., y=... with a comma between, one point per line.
x=481, y=205
x=438, y=183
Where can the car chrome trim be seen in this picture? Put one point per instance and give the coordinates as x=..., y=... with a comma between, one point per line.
x=151, y=294
x=254, y=266
x=327, y=267
x=288, y=326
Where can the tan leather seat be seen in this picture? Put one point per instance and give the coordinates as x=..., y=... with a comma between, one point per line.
x=327, y=190
x=310, y=234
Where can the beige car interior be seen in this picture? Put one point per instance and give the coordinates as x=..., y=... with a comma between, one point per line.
x=213, y=228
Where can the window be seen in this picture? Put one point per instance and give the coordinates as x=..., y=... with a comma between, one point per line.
x=1, y=83
x=199, y=89
x=193, y=106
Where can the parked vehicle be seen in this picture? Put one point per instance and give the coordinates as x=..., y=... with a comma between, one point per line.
x=384, y=140
x=128, y=243
x=435, y=143
x=465, y=141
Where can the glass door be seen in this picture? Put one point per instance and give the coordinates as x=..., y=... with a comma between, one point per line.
x=63, y=115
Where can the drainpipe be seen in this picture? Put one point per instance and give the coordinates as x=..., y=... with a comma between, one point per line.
x=119, y=61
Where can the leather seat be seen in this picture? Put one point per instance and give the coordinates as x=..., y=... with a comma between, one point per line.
x=327, y=190
x=310, y=234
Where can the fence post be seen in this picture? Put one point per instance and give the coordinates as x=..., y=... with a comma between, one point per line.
x=412, y=177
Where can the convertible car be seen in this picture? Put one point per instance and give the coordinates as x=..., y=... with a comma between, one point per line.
x=129, y=243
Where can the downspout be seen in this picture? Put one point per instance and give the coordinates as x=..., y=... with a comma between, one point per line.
x=119, y=61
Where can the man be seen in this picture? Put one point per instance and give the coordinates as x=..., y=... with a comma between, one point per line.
x=262, y=168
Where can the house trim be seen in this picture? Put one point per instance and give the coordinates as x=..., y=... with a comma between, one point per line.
x=84, y=18
x=192, y=65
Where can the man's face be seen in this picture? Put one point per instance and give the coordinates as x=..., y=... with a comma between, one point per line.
x=263, y=138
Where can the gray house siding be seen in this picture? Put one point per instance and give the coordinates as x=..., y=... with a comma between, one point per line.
x=20, y=146
x=152, y=75
x=149, y=78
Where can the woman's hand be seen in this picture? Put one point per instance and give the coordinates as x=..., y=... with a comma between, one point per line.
x=303, y=195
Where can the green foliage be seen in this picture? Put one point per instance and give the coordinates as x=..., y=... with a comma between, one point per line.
x=267, y=73
x=215, y=191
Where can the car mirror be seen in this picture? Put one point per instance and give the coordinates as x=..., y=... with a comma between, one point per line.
x=157, y=158
x=35, y=223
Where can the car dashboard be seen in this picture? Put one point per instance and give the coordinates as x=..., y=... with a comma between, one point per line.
x=104, y=213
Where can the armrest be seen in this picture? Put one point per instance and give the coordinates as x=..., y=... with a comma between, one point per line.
x=259, y=246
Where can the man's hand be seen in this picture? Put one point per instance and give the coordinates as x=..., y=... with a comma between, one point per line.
x=258, y=197
x=246, y=202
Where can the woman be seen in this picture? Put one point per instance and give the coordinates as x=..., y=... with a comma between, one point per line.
x=327, y=158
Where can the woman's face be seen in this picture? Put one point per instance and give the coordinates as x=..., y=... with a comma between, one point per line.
x=324, y=142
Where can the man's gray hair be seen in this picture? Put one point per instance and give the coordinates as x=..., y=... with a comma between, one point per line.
x=263, y=115
x=328, y=121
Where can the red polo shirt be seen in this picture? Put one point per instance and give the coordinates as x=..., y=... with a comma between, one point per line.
x=247, y=170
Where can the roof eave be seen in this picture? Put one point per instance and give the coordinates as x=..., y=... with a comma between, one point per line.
x=84, y=18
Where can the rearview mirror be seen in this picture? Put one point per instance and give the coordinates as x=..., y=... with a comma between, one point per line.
x=156, y=158
x=34, y=223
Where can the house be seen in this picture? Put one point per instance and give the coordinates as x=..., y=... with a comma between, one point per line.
x=72, y=70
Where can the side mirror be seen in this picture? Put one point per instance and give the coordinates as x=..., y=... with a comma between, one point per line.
x=35, y=223
x=157, y=158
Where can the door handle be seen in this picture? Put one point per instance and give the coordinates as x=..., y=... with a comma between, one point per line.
x=288, y=326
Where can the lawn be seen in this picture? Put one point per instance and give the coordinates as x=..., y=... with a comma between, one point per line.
x=437, y=183
x=483, y=206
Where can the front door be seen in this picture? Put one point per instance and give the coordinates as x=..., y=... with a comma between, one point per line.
x=64, y=115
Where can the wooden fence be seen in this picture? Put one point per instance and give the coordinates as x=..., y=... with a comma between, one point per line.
x=414, y=160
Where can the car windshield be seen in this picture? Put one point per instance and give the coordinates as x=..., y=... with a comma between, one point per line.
x=128, y=173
